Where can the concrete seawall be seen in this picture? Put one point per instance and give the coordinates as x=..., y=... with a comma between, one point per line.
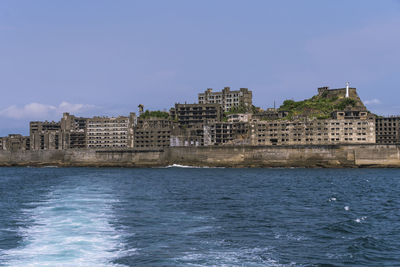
x=224, y=156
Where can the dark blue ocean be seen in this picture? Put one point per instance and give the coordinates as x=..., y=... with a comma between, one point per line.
x=199, y=217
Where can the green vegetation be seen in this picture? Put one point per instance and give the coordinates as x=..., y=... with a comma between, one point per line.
x=241, y=109
x=255, y=109
x=236, y=110
x=154, y=114
x=319, y=107
x=345, y=102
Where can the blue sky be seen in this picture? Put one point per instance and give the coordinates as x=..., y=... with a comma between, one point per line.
x=106, y=57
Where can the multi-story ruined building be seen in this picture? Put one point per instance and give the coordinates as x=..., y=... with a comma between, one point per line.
x=191, y=123
x=192, y=136
x=227, y=133
x=152, y=133
x=388, y=130
x=43, y=126
x=45, y=135
x=352, y=124
x=228, y=99
x=107, y=132
x=191, y=114
x=97, y=132
x=15, y=142
x=206, y=124
x=300, y=132
x=74, y=131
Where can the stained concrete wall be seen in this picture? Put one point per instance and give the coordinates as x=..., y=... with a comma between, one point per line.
x=224, y=156
x=288, y=156
x=81, y=157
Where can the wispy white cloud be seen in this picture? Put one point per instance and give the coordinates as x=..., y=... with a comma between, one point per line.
x=372, y=102
x=42, y=111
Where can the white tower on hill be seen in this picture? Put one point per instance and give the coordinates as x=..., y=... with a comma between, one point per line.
x=347, y=90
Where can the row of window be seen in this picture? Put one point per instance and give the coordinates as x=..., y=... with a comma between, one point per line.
x=111, y=121
x=311, y=139
x=108, y=133
x=107, y=145
x=150, y=137
x=106, y=142
x=108, y=138
x=107, y=129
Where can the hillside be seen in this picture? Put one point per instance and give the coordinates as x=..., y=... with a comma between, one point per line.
x=321, y=106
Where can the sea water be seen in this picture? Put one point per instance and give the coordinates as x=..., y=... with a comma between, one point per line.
x=182, y=216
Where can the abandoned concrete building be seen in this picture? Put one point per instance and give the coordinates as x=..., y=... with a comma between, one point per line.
x=227, y=98
x=228, y=133
x=300, y=132
x=73, y=131
x=78, y=132
x=388, y=130
x=15, y=142
x=188, y=136
x=208, y=124
x=107, y=132
x=45, y=135
x=152, y=133
x=190, y=114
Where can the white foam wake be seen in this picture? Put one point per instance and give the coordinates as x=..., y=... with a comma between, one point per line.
x=191, y=167
x=71, y=228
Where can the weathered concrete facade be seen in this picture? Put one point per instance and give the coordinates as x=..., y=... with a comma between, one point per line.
x=227, y=98
x=189, y=136
x=335, y=156
x=313, y=132
x=240, y=117
x=343, y=120
x=45, y=135
x=15, y=142
x=228, y=133
x=189, y=114
x=74, y=131
x=107, y=132
x=388, y=130
x=152, y=133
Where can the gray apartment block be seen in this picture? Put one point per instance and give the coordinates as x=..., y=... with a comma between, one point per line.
x=388, y=130
x=228, y=133
x=97, y=132
x=188, y=136
x=15, y=142
x=227, y=98
x=73, y=131
x=152, y=133
x=313, y=132
x=43, y=126
x=107, y=132
x=191, y=114
x=45, y=135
